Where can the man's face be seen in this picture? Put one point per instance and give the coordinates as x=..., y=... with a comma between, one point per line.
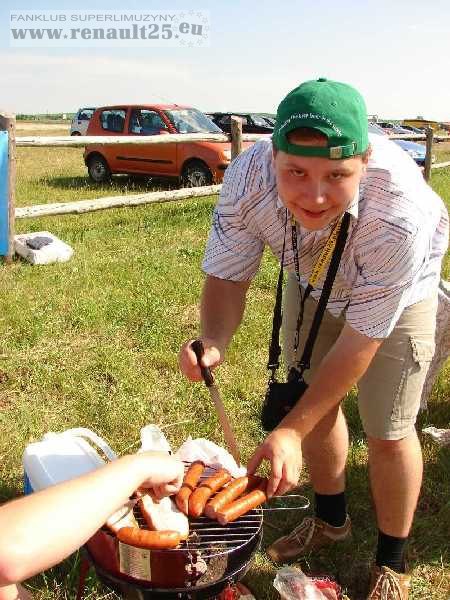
x=314, y=189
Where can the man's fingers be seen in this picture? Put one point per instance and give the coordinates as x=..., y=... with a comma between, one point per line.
x=275, y=477
x=286, y=483
x=188, y=362
x=254, y=462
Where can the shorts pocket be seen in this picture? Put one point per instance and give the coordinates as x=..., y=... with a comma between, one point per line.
x=417, y=362
x=422, y=350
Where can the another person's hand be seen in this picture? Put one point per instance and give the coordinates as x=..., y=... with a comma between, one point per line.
x=283, y=448
x=14, y=592
x=161, y=472
x=187, y=360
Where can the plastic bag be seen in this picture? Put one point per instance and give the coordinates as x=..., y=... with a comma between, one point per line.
x=210, y=454
x=293, y=584
x=152, y=438
x=441, y=436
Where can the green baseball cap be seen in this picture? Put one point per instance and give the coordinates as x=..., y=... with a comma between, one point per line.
x=335, y=109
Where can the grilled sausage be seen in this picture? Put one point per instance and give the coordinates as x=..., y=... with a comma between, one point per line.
x=142, y=538
x=190, y=481
x=205, y=490
x=243, y=505
x=230, y=493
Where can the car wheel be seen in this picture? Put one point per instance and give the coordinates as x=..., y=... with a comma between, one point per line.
x=98, y=169
x=196, y=174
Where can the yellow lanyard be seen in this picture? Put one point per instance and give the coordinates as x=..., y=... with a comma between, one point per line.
x=324, y=257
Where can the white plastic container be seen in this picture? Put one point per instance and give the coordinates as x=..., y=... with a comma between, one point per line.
x=62, y=456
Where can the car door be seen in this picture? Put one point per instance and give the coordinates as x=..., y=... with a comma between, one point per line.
x=110, y=122
x=152, y=159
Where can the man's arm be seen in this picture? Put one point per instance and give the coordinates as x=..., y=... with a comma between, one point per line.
x=221, y=310
x=41, y=529
x=342, y=367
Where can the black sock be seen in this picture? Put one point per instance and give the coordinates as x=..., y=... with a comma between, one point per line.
x=331, y=508
x=390, y=552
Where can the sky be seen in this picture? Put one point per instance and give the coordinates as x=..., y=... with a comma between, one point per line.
x=396, y=53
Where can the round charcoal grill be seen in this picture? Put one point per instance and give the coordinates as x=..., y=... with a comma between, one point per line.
x=211, y=558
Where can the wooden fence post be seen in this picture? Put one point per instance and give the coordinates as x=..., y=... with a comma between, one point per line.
x=429, y=153
x=236, y=136
x=8, y=124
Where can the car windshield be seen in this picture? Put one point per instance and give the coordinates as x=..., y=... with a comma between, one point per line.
x=257, y=120
x=191, y=120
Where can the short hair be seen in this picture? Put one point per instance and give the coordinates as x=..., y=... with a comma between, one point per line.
x=308, y=134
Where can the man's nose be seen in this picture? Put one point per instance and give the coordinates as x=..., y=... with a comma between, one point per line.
x=316, y=193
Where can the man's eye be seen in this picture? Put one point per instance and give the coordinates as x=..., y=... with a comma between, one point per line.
x=297, y=173
x=336, y=176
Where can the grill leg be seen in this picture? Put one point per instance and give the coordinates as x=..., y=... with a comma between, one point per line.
x=84, y=568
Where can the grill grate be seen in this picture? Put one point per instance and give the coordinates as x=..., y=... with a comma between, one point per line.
x=210, y=538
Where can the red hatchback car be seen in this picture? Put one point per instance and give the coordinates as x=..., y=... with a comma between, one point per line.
x=192, y=163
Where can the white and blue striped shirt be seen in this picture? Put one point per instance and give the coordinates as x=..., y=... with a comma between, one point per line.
x=397, y=237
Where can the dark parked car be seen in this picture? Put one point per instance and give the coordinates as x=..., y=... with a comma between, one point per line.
x=251, y=122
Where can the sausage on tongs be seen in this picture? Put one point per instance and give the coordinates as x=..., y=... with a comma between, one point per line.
x=233, y=490
x=205, y=490
x=243, y=505
x=190, y=482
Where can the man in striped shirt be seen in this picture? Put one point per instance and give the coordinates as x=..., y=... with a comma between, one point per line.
x=378, y=329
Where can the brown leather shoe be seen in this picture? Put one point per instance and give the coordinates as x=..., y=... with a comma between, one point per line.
x=387, y=584
x=311, y=534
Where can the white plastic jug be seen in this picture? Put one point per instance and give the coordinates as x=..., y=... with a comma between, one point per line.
x=62, y=456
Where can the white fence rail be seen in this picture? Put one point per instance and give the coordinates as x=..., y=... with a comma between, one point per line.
x=83, y=206
x=79, y=141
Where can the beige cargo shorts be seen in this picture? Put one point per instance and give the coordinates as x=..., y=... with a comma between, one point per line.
x=389, y=392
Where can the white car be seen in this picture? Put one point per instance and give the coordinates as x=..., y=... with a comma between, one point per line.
x=81, y=120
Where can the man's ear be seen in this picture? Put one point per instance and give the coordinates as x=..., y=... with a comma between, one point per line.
x=366, y=156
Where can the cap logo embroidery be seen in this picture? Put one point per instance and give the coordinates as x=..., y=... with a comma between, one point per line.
x=316, y=116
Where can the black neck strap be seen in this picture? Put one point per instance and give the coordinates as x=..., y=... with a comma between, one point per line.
x=275, y=348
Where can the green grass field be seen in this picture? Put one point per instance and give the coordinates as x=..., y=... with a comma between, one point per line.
x=93, y=342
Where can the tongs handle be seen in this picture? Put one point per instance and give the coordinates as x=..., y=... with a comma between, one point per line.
x=199, y=351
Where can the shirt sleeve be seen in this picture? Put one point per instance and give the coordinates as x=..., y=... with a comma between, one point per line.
x=387, y=271
x=234, y=248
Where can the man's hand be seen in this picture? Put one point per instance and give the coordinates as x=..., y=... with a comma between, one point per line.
x=187, y=360
x=162, y=473
x=283, y=448
x=221, y=311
